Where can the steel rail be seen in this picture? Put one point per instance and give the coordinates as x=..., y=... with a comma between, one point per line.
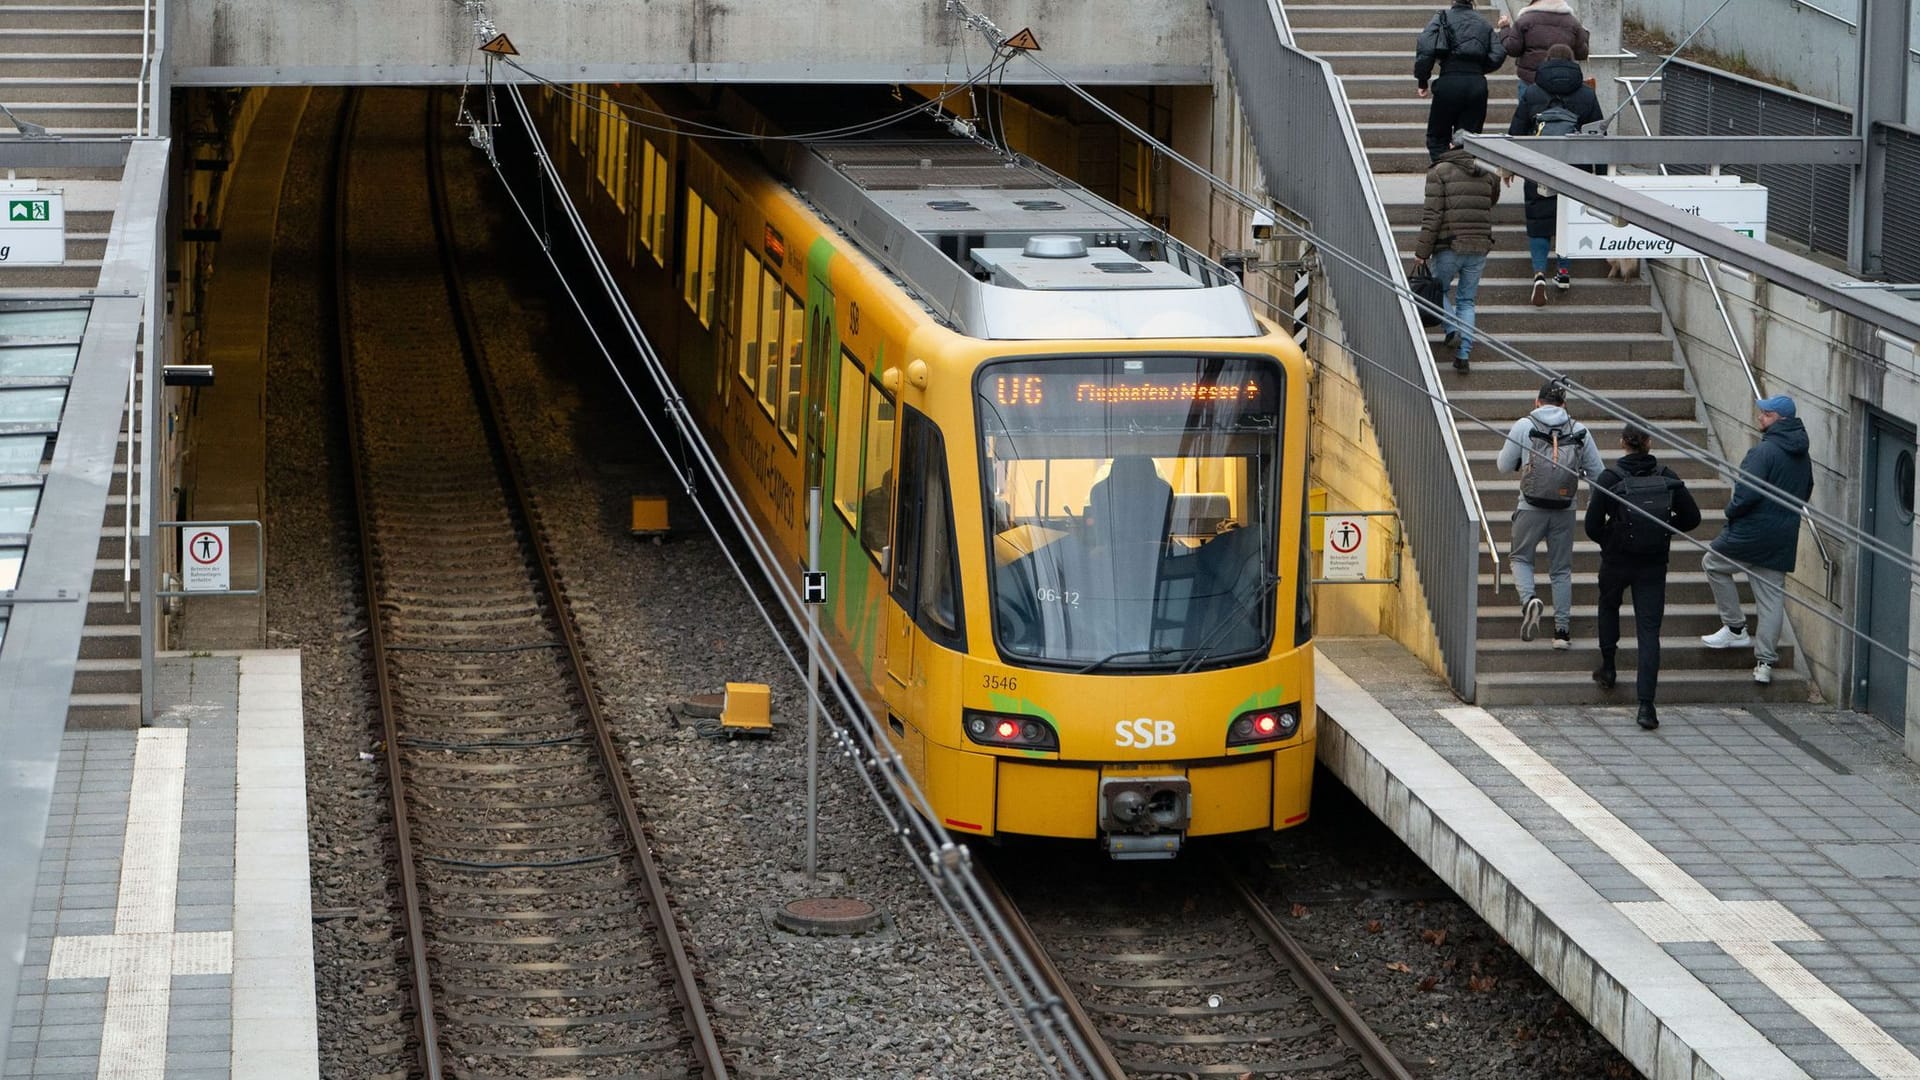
x=1380, y=1062
x=425, y=1020
x=1102, y=1063
x=686, y=984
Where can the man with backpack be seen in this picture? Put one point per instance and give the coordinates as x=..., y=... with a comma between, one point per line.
x=1466, y=49
x=1558, y=103
x=1551, y=451
x=1633, y=512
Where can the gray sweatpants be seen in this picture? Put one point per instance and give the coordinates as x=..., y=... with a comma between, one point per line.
x=1530, y=526
x=1769, y=596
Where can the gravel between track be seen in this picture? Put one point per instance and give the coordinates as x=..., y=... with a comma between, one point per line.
x=667, y=621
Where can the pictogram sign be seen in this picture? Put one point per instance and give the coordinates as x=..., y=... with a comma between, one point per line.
x=813, y=586
x=205, y=559
x=498, y=45
x=1345, y=557
x=1023, y=41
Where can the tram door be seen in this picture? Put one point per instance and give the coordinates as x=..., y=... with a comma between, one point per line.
x=1884, y=583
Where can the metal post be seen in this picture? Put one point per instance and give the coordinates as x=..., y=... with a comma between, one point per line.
x=1881, y=97
x=813, y=684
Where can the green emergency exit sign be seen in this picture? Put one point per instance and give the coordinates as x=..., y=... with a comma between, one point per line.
x=27, y=210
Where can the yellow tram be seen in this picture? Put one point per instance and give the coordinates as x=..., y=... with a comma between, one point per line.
x=1064, y=465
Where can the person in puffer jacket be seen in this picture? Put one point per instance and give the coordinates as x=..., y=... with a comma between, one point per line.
x=1460, y=90
x=1762, y=536
x=1562, y=81
x=1456, y=232
x=1544, y=24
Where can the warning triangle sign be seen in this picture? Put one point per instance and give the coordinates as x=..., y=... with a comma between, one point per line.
x=1024, y=41
x=500, y=46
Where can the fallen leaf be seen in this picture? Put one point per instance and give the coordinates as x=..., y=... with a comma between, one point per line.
x=1374, y=926
x=1480, y=984
x=1427, y=984
x=1298, y=911
x=1396, y=965
x=1434, y=937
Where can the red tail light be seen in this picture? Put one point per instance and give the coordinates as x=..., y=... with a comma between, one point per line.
x=1264, y=725
x=1014, y=732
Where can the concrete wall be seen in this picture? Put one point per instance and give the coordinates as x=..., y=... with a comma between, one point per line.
x=1834, y=368
x=1811, y=46
x=260, y=42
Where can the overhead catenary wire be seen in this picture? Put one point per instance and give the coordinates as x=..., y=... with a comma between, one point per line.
x=1724, y=466
x=942, y=863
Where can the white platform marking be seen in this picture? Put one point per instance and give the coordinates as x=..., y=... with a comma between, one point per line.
x=1687, y=911
x=143, y=954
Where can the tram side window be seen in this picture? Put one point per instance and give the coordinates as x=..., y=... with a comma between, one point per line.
x=603, y=158
x=702, y=256
x=657, y=208
x=876, y=505
x=770, y=366
x=793, y=342
x=847, y=443
x=926, y=573
x=577, y=113
x=750, y=275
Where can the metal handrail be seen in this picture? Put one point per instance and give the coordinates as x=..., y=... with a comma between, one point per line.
x=128, y=520
x=140, y=126
x=1726, y=318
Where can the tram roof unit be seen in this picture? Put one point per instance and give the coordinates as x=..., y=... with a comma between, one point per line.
x=1004, y=249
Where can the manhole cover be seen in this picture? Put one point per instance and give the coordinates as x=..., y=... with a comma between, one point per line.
x=827, y=915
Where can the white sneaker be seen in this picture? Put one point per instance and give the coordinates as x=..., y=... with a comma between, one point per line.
x=1530, y=618
x=1763, y=673
x=1724, y=638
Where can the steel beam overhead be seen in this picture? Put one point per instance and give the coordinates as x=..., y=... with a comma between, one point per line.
x=1699, y=149
x=62, y=153
x=1862, y=300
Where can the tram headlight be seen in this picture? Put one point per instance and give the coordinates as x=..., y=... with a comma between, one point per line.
x=1264, y=725
x=1013, y=732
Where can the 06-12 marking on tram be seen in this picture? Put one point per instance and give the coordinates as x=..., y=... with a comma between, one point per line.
x=1143, y=733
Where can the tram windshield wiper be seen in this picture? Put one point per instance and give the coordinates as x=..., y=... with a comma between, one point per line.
x=1268, y=582
x=1151, y=654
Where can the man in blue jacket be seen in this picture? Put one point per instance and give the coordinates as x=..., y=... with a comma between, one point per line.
x=1762, y=536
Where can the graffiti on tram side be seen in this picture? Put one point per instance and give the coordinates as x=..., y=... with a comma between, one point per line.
x=761, y=464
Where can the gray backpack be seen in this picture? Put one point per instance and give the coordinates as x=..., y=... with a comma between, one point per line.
x=1551, y=468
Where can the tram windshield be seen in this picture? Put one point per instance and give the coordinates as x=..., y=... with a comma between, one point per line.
x=1132, y=508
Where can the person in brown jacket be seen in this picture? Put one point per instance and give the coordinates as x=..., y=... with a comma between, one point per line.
x=1544, y=24
x=1456, y=232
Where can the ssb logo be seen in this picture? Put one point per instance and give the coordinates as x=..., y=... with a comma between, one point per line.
x=1143, y=733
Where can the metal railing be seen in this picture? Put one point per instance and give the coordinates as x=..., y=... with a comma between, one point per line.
x=1310, y=153
x=1827, y=562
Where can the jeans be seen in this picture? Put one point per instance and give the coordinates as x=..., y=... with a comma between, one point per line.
x=1530, y=526
x=1459, y=301
x=1538, y=248
x=1769, y=596
x=1648, y=581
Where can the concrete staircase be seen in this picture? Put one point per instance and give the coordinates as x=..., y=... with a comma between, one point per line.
x=106, y=680
x=1607, y=335
x=73, y=67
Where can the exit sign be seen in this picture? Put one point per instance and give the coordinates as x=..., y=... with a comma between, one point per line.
x=33, y=230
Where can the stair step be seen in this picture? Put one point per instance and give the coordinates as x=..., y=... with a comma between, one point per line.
x=1676, y=687
x=14, y=88
x=1686, y=584
x=64, y=42
x=1606, y=430
x=91, y=65
x=1481, y=459
x=1306, y=17
x=63, y=117
x=1496, y=373
x=78, y=274
x=1373, y=37
x=1517, y=291
x=1514, y=402
x=1374, y=112
x=1680, y=619
x=103, y=712
x=106, y=676
x=1687, y=653
x=110, y=642
x=1555, y=349
x=15, y=17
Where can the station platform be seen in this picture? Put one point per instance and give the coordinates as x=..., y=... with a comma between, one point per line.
x=1734, y=896
x=171, y=935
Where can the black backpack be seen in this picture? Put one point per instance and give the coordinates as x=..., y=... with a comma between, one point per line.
x=1647, y=506
x=1556, y=119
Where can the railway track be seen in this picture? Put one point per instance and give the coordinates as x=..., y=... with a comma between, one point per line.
x=1180, y=970
x=540, y=937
